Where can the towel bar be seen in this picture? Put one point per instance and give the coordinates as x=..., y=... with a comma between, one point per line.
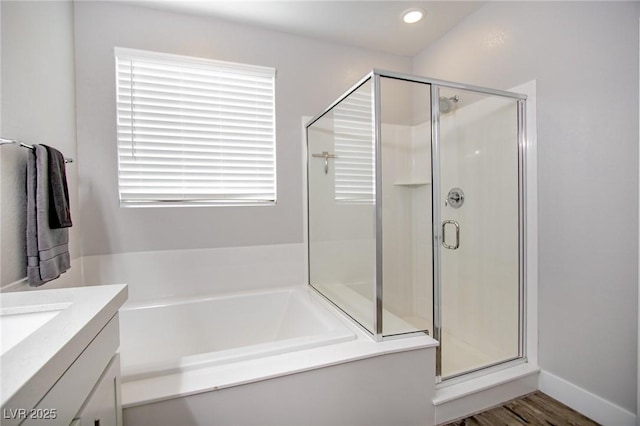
x=4, y=141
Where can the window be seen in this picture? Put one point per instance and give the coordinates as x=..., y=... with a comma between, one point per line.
x=194, y=131
x=355, y=150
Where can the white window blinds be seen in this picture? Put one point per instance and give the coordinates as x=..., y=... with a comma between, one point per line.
x=194, y=131
x=355, y=150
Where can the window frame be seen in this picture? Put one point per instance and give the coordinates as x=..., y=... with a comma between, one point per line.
x=263, y=195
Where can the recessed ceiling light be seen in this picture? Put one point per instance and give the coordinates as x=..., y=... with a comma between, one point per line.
x=412, y=16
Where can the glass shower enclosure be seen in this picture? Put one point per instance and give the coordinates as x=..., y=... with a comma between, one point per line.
x=415, y=214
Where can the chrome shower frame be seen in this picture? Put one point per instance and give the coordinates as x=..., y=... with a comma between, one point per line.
x=435, y=84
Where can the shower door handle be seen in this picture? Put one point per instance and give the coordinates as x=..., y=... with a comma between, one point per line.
x=444, y=233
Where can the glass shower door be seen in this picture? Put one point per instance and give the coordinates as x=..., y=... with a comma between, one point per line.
x=479, y=229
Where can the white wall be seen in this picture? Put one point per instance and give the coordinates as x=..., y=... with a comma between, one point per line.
x=584, y=57
x=38, y=106
x=310, y=75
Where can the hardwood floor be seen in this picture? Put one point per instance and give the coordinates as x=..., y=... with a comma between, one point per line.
x=535, y=409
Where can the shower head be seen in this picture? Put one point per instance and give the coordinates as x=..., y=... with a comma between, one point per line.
x=448, y=104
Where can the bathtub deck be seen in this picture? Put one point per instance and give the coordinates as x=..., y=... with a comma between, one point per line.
x=190, y=382
x=389, y=389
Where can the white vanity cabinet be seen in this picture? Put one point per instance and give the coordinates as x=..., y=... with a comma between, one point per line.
x=67, y=371
x=80, y=392
x=103, y=407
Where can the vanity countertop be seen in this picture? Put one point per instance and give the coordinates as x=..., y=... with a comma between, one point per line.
x=44, y=332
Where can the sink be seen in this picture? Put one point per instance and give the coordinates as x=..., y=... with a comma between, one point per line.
x=17, y=323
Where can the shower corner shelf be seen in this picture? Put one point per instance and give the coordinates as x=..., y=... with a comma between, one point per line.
x=412, y=183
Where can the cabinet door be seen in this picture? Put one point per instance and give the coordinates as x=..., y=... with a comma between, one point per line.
x=103, y=407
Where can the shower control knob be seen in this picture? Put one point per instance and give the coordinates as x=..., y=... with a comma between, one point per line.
x=455, y=198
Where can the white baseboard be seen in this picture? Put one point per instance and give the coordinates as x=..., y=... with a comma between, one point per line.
x=585, y=402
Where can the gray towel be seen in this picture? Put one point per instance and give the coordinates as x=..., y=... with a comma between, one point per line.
x=47, y=249
x=59, y=211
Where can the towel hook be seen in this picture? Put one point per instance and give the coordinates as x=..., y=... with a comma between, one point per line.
x=326, y=157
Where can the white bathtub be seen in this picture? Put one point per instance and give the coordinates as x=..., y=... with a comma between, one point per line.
x=177, y=335
x=274, y=357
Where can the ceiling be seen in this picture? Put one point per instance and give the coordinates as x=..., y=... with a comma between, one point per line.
x=375, y=25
